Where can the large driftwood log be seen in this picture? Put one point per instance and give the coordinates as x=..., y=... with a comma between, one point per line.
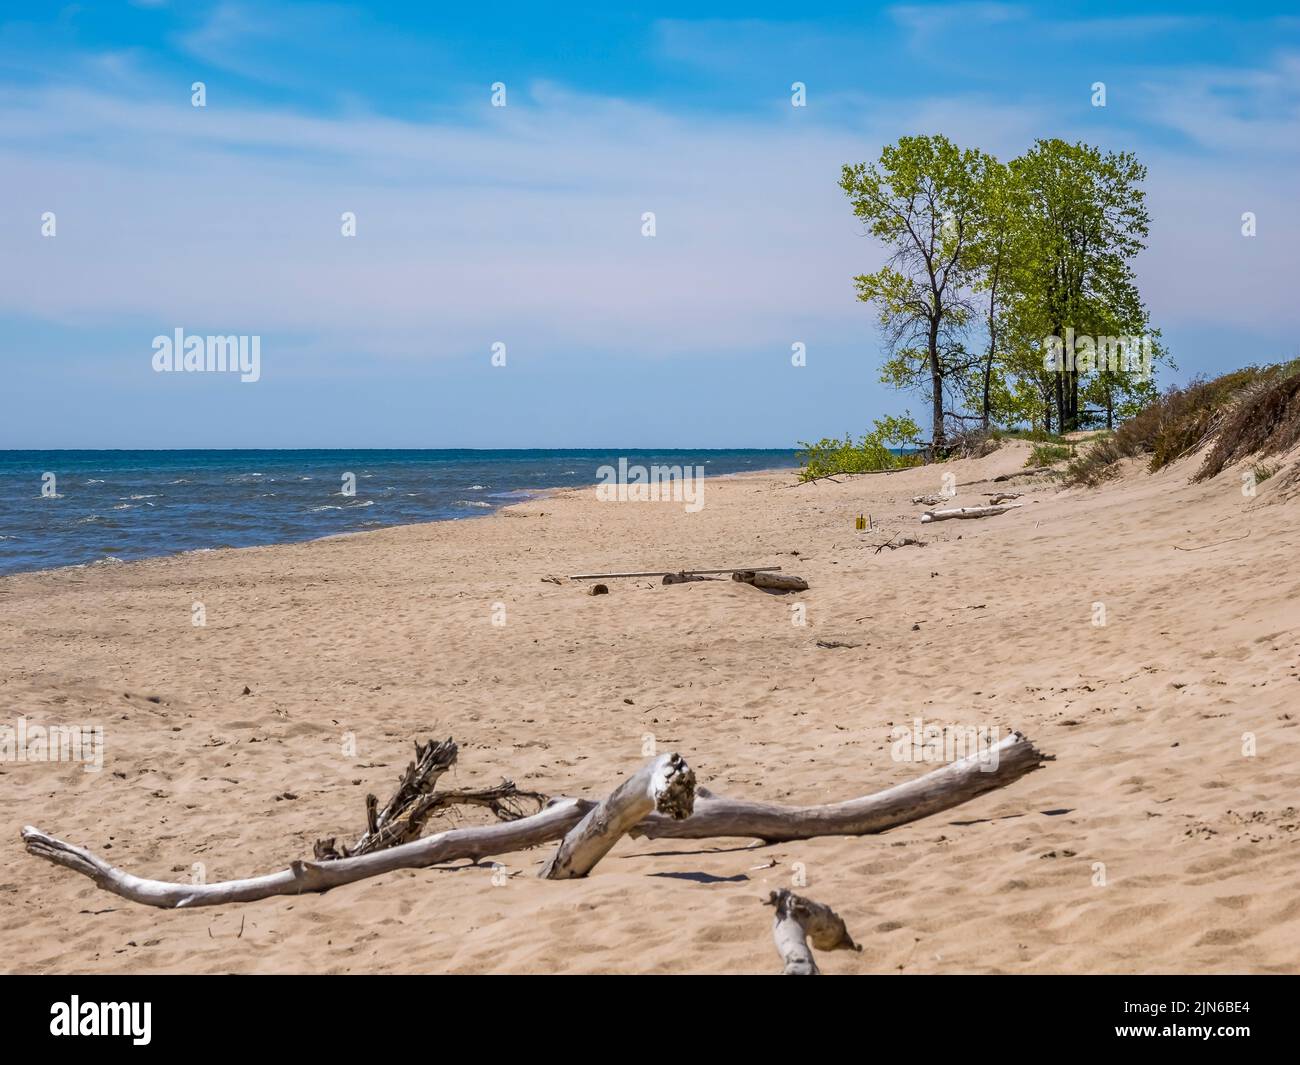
x=950, y=785
x=664, y=785
x=799, y=919
x=771, y=582
x=713, y=815
x=968, y=512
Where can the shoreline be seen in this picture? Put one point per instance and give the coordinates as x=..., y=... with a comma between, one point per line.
x=231, y=747
x=528, y=495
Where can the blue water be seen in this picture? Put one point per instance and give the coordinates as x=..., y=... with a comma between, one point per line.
x=141, y=504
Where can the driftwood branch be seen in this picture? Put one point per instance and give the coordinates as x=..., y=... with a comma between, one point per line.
x=302, y=876
x=771, y=582
x=967, y=512
x=798, y=920
x=1030, y=472
x=950, y=785
x=712, y=815
x=403, y=817
x=666, y=572
x=665, y=785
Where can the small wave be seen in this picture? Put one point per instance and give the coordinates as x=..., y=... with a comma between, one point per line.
x=181, y=480
x=95, y=480
x=472, y=503
x=476, y=488
x=153, y=495
x=344, y=506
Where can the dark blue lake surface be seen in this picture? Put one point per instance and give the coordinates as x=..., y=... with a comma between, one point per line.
x=140, y=504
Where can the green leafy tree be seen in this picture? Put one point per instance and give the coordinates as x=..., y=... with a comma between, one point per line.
x=921, y=199
x=1001, y=211
x=1084, y=220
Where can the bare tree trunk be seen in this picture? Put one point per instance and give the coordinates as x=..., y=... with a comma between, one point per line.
x=937, y=440
x=665, y=785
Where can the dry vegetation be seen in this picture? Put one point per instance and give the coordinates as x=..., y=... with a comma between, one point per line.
x=1252, y=411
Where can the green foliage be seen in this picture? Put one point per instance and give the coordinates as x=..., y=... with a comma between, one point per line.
x=987, y=259
x=869, y=454
x=921, y=200
x=1046, y=454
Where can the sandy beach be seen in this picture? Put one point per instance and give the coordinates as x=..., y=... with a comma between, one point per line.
x=1151, y=844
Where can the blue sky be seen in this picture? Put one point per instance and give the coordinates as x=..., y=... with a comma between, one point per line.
x=522, y=224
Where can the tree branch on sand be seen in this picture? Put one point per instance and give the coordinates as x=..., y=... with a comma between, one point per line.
x=967, y=512
x=587, y=829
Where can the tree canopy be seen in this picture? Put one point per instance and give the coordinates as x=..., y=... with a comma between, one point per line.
x=1008, y=294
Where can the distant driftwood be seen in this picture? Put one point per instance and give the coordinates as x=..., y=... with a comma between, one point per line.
x=665, y=780
x=771, y=582
x=968, y=512
x=1022, y=473
x=675, y=573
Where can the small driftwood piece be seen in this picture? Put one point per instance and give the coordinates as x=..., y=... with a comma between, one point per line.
x=968, y=512
x=1021, y=473
x=798, y=920
x=771, y=582
x=929, y=501
x=401, y=818
x=666, y=572
x=713, y=815
x=894, y=543
x=684, y=578
x=665, y=785
x=1001, y=497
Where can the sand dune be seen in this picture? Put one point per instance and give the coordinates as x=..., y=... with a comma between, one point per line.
x=388, y=636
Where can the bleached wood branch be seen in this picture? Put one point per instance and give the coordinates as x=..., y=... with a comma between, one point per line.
x=712, y=815
x=950, y=785
x=799, y=919
x=664, y=785
x=303, y=876
x=968, y=512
